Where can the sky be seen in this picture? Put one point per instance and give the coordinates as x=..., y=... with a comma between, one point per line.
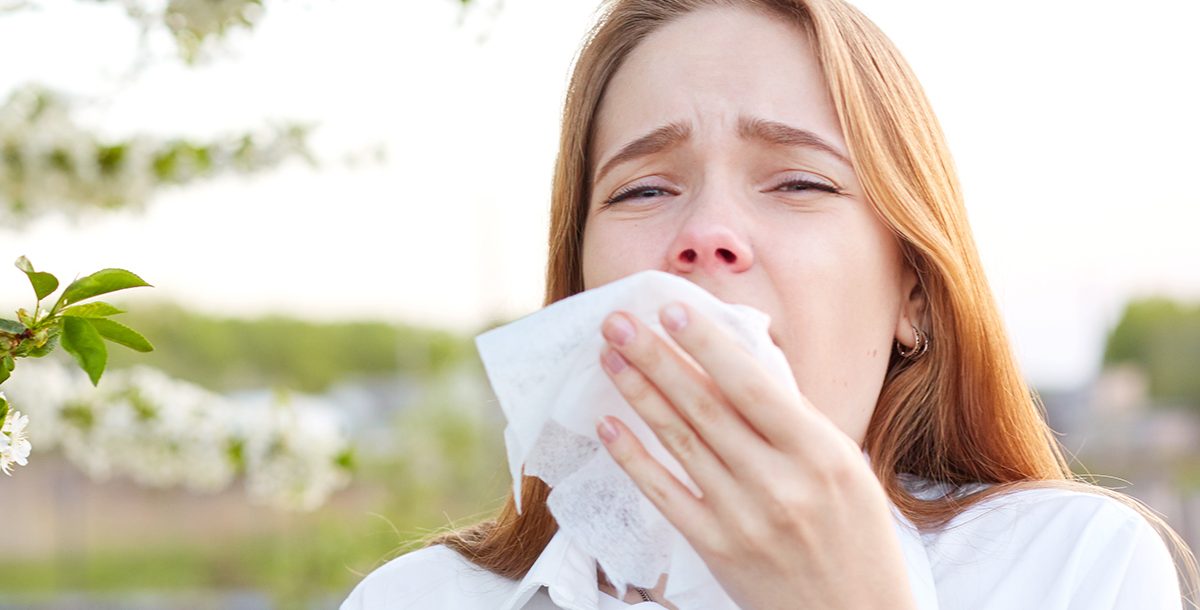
x=1072, y=124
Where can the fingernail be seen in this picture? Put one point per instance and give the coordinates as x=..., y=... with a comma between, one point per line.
x=613, y=361
x=674, y=317
x=618, y=330
x=608, y=432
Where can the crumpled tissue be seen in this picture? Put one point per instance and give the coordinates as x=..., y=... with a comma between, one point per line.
x=545, y=371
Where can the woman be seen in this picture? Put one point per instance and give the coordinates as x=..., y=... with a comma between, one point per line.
x=781, y=154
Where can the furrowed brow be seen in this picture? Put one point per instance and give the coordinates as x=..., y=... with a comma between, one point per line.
x=749, y=128
x=779, y=134
x=661, y=139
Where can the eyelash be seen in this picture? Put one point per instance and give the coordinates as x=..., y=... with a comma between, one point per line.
x=626, y=193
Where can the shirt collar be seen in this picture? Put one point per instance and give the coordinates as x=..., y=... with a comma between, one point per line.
x=566, y=570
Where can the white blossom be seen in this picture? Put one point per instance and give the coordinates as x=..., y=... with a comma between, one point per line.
x=293, y=462
x=163, y=432
x=16, y=445
x=49, y=161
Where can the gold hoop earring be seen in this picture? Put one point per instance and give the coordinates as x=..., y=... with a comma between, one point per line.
x=920, y=346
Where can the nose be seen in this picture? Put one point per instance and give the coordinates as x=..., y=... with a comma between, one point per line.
x=711, y=241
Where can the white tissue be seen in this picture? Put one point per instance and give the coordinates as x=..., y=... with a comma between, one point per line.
x=545, y=370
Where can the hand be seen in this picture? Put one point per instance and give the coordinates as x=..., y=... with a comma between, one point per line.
x=791, y=515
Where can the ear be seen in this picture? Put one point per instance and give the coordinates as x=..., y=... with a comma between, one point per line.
x=913, y=303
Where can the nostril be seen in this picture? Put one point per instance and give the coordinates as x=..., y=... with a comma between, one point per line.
x=727, y=255
x=689, y=256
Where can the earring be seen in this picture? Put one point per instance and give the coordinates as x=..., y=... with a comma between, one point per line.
x=919, y=347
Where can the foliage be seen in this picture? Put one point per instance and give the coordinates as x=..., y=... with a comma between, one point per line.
x=50, y=161
x=1163, y=337
x=80, y=328
x=226, y=354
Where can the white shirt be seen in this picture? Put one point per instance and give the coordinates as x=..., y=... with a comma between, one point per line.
x=1047, y=549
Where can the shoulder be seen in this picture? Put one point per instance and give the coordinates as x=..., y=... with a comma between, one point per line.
x=1042, y=507
x=431, y=577
x=1060, y=545
x=1042, y=511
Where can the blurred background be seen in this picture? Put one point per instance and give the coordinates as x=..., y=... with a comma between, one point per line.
x=331, y=199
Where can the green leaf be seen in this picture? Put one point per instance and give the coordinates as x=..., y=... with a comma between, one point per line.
x=97, y=309
x=119, y=333
x=100, y=282
x=83, y=341
x=51, y=343
x=12, y=326
x=3, y=404
x=7, y=363
x=43, y=283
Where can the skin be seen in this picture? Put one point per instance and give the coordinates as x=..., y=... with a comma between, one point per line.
x=791, y=515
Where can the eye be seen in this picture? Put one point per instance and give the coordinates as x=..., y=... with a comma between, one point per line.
x=796, y=185
x=799, y=185
x=635, y=192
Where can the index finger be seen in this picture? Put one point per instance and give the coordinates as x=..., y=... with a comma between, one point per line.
x=770, y=408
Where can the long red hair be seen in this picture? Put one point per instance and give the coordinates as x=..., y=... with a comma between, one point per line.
x=962, y=413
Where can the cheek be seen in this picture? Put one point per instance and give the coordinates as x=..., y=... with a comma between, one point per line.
x=841, y=302
x=844, y=267
x=614, y=250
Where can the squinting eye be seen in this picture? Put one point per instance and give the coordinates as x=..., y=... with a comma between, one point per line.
x=649, y=192
x=808, y=185
x=641, y=192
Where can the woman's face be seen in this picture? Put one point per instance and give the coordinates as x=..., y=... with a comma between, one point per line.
x=731, y=190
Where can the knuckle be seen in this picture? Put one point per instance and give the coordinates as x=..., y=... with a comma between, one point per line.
x=719, y=549
x=785, y=501
x=750, y=535
x=622, y=454
x=649, y=356
x=700, y=342
x=755, y=391
x=706, y=408
x=836, y=471
x=681, y=439
x=787, y=507
x=639, y=392
x=657, y=492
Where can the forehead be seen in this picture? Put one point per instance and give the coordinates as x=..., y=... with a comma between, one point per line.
x=709, y=67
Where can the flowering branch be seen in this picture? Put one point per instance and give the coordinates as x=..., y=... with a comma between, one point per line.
x=81, y=328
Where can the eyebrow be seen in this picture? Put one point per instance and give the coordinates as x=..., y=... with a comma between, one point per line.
x=749, y=128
